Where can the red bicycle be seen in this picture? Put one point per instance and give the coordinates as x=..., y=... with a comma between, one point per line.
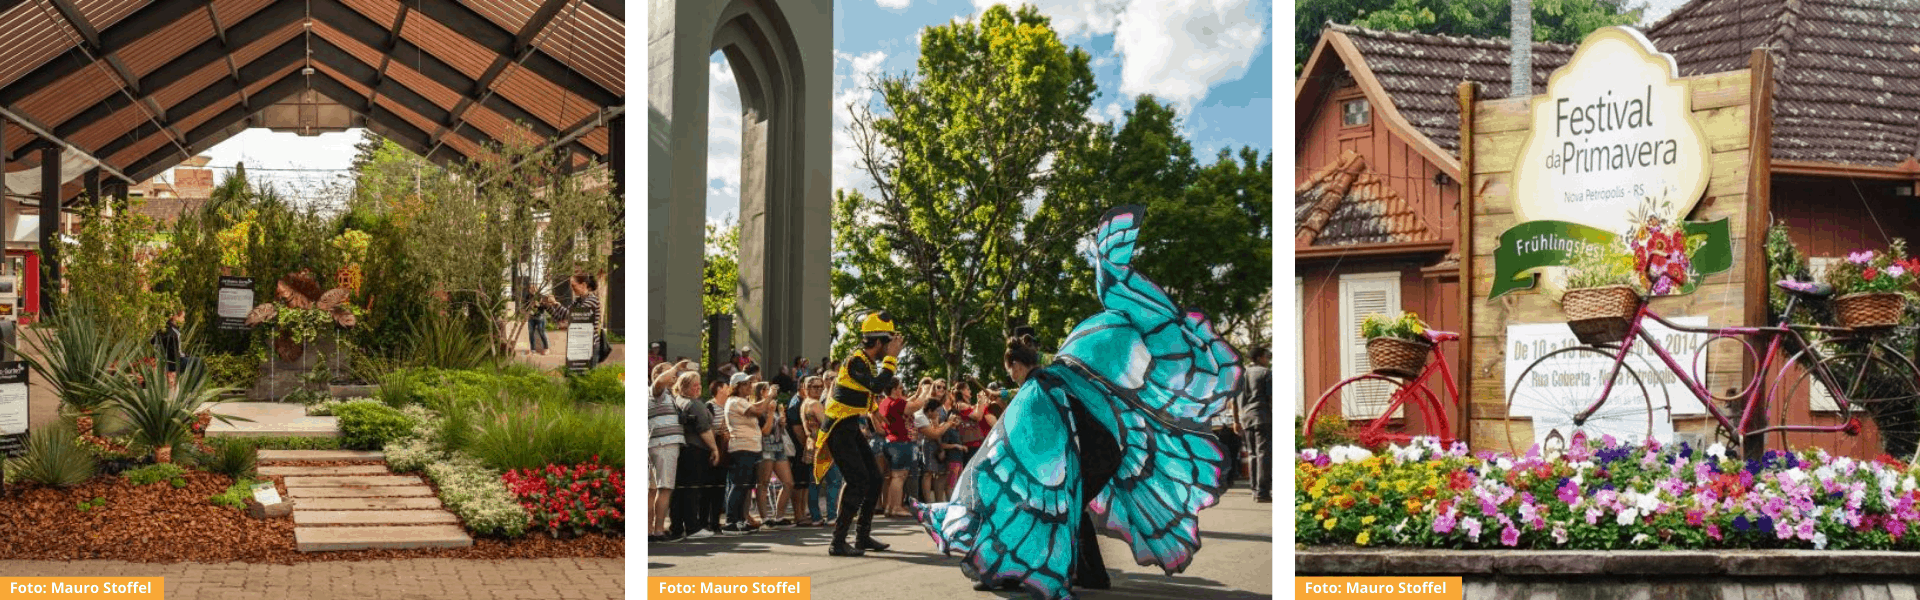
x=1407, y=394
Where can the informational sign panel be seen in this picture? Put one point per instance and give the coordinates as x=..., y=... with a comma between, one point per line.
x=580, y=340
x=13, y=408
x=235, y=301
x=1576, y=379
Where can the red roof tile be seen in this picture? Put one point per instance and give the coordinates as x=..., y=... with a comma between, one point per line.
x=1346, y=204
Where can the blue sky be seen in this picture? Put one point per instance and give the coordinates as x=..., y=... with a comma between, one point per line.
x=1213, y=59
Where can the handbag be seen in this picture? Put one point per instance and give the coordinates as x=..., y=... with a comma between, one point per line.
x=601, y=348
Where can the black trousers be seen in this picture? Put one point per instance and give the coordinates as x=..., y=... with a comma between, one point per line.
x=862, y=495
x=1260, y=444
x=1231, y=442
x=1099, y=460
x=689, y=484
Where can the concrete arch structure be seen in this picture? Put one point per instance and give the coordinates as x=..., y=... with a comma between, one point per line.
x=781, y=52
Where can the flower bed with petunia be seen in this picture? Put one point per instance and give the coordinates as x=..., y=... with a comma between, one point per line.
x=1603, y=495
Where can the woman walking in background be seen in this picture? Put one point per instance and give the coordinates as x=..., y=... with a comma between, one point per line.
x=536, y=322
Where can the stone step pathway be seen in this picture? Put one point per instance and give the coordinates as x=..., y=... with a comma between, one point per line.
x=275, y=419
x=360, y=507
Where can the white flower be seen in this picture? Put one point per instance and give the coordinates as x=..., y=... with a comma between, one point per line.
x=1647, y=503
x=1798, y=476
x=1819, y=541
x=1310, y=453
x=1343, y=454
x=1640, y=539
x=1907, y=485
x=1717, y=451
x=1628, y=517
x=1504, y=464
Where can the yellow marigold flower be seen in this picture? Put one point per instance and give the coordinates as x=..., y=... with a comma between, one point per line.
x=1368, y=520
x=1363, y=538
x=1414, y=505
x=1330, y=523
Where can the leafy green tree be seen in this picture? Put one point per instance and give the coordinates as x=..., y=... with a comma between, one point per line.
x=1564, y=21
x=963, y=194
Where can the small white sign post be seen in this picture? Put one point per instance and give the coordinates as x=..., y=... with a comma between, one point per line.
x=13, y=409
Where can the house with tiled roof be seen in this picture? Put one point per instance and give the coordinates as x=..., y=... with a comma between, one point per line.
x=1377, y=118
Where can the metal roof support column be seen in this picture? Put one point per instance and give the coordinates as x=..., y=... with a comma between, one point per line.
x=49, y=226
x=6, y=206
x=617, y=273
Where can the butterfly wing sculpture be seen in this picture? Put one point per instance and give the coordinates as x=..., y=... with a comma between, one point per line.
x=1148, y=372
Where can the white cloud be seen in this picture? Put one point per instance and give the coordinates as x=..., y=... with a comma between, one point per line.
x=851, y=74
x=1074, y=17
x=895, y=4
x=1177, y=50
x=723, y=139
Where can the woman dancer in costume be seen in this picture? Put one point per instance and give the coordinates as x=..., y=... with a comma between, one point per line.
x=1112, y=433
x=841, y=442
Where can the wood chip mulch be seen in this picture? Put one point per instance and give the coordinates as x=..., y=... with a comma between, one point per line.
x=160, y=523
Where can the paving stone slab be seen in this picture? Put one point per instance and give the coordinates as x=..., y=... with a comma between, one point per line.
x=318, y=455
x=366, y=503
x=271, y=419
x=348, y=470
x=322, y=539
x=372, y=517
x=359, y=492
x=354, y=481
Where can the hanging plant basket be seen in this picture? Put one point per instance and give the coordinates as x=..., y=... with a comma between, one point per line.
x=1398, y=357
x=1876, y=310
x=1600, y=315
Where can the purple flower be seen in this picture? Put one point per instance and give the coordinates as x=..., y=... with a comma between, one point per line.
x=1805, y=531
x=1559, y=535
x=1740, y=523
x=1568, y=492
x=1860, y=258
x=1510, y=536
x=1444, y=523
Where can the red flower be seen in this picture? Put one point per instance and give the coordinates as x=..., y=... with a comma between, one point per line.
x=1869, y=274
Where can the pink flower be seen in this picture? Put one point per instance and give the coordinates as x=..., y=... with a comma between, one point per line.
x=1560, y=535
x=1861, y=257
x=1471, y=526
x=1510, y=536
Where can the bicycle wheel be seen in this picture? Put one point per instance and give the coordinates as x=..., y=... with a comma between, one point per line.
x=1874, y=380
x=1414, y=405
x=1561, y=384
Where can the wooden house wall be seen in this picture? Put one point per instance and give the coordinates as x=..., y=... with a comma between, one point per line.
x=1436, y=301
x=1387, y=154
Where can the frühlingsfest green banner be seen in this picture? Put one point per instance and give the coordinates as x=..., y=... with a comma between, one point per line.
x=1536, y=244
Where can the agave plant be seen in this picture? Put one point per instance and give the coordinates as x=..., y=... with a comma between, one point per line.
x=78, y=354
x=160, y=415
x=54, y=457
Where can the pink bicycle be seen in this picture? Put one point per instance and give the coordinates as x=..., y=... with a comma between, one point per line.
x=1405, y=393
x=1587, y=391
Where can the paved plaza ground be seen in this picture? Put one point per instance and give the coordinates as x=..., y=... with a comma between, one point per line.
x=1236, y=561
x=410, y=579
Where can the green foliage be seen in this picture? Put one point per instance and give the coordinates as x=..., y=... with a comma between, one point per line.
x=116, y=264
x=476, y=494
x=233, y=460
x=455, y=429
x=1407, y=326
x=232, y=371
x=56, y=457
x=154, y=473
x=600, y=385
x=1785, y=261
x=159, y=415
x=370, y=425
x=236, y=495
x=545, y=427
x=443, y=342
x=79, y=348
x=721, y=275
x=1332, y=430
x=97, y=503
x=1563, y=21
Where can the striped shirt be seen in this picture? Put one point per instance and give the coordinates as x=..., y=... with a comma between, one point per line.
x=663, y=422
x=589, y=302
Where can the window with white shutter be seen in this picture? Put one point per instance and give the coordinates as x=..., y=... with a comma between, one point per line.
x=1819, y=398
x=1363, y=294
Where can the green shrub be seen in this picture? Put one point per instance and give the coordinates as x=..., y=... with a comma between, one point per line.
x=477, y=494
x=600, y=385
x=235, y=371
x=97, y=503
x=454, y=429
x=233, y=460
x=77, y=351
x=370, y=425
x=55, y=456
x=160, y=416
x=325, y=408
x=154, y=473
x=443, y=341
x=411, y=455
x=370, y=368
x=236, y=495
x=528, y=435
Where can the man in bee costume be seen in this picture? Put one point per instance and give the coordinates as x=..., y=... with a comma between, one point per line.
x=862, y=375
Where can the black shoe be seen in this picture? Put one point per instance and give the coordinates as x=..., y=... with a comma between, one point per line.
x=654, y=539
x=1264, y=500
x=840, y=548
x=672, y=537
x=983, y=586
x=1093, y=582
x=867, y=543
x=735, y=529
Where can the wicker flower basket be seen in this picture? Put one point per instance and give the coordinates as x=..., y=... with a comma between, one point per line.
x=1600, y=315
x=1870, y=310
x=1398, y=357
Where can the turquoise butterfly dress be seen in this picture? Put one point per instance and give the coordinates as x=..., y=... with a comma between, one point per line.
x=1112, y=434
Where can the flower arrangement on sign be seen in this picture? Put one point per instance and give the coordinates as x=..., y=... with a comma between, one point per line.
x=1396, y=345
x=1870, y=286
x=1662, y=251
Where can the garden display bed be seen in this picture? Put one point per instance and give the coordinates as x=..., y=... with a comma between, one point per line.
x=160, y=523
x=1637, y=574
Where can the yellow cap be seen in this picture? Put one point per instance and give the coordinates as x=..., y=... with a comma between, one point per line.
x=876, y=322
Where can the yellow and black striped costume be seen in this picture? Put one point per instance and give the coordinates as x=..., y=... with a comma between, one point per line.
x=852, y=398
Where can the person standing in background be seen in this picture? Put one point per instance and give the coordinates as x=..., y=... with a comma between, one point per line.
x=1256, y=422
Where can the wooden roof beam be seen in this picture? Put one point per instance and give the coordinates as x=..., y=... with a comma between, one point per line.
x=355, y=71
x=522, y=48
x=202, y=137
x=140, y=24
x=47, y=137
x=251, y=73
x=383, y=121
x=500, y=42
x=129, y=85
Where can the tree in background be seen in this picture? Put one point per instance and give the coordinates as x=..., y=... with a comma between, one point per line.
x=1563, y=21
x=963, y=163
x=720, y=279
